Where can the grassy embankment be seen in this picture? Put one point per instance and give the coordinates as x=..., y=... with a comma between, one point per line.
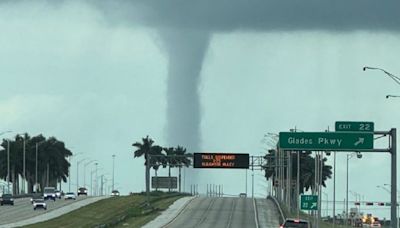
x=122, y=211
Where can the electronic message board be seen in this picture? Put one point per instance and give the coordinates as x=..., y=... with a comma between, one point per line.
x=221, y=160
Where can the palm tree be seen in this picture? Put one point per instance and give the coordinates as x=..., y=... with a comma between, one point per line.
x=156, y=160
x=183, y=159
x=170, y=161
x=145, y=148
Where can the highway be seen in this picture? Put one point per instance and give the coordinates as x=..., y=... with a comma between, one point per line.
x=227, y=212
x=23, y=209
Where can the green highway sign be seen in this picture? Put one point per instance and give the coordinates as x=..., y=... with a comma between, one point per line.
x=309, y=202
x=389, y=204
x=339, y=141
x=354, y=126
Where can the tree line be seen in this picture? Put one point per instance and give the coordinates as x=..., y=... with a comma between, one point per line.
x=51, y=161
x=307, y=169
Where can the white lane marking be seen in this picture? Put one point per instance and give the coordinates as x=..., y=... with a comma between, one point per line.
x=255, y=212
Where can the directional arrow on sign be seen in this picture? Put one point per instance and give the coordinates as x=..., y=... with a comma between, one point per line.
x=360, y=141
x=313, y=205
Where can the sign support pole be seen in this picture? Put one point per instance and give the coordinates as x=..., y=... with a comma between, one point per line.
x=393, y=219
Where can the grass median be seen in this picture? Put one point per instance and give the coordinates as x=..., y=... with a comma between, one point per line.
x=122, y=211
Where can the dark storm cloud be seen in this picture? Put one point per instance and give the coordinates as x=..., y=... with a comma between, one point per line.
x=262, y=15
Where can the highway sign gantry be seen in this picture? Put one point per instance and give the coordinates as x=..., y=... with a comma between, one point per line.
x=221, y=160
x=332, y=141
x=354, y=126
x=309, y=202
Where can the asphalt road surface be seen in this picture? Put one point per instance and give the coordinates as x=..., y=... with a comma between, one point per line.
x=226, y=212
x=23, y=209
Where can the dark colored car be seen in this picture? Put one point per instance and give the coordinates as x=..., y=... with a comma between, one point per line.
x=82, y=191
x=6, y=199
x=296, y=223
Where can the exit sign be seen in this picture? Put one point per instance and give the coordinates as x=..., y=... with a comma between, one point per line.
x=309, y=202
x=354, y=126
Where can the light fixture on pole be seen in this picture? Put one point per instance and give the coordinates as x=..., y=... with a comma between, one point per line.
x=387, y=96
x=392, y=76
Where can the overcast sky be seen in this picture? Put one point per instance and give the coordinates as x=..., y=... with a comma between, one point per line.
x=209, y=75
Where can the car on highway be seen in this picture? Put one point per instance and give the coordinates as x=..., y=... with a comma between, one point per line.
x=49, y=193
x=70, y=195
x=58, y=194
x=115, y=193
x=36, y=196
x=82, y=191
x=39, y=203
x=244, y=195
x=7, y=199
x=295, y=223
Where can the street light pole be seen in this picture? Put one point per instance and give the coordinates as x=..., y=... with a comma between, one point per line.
x=113, y=156
x=96, y=178
x=84, y=172
x=36, y=167
x=23, y=166
x=349, y=156
x=8, y=166
x=36, y=163
x=69, y=174
x=77, y=171
x=8, y=161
